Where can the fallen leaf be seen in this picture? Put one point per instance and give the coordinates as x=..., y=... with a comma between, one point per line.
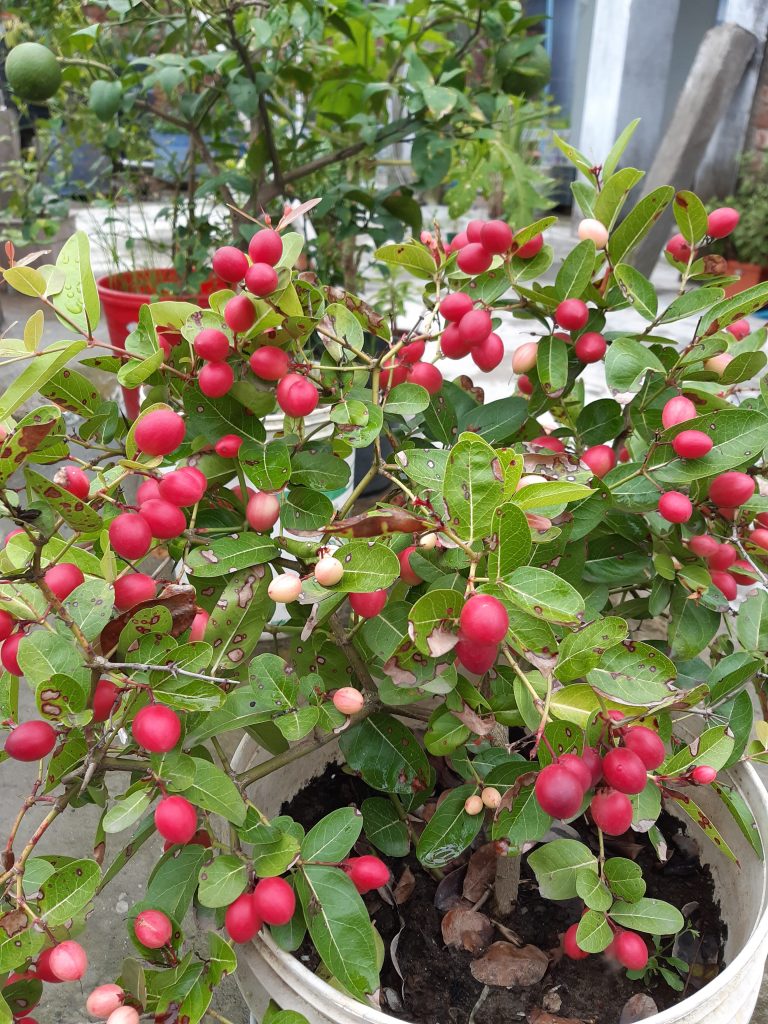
x=448, y=891
x=404, y=888
x=478, y=725
x=551, y=1001
x=373, y=524
x=481, y=871
x=464, y=928
x=542, y=1017
x=638, y=1007
x=506, y=966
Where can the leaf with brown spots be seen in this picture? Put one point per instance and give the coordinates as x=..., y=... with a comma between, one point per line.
x=238, y=618
x=464, y=928
x=177, y=600
x=507, y=966
x=30, y=433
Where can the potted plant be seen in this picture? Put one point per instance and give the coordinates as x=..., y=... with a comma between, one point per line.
x=746, y=248
x=529, y=659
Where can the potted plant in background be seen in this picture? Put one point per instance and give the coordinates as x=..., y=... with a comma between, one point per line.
x=470, y=649
x=746, y=248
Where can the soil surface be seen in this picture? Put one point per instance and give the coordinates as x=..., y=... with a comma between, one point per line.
x=434, y=984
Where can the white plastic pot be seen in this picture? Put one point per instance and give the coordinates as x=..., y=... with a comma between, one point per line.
x=266, y=972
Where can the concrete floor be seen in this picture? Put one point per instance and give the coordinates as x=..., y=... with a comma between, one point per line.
x=106, y=938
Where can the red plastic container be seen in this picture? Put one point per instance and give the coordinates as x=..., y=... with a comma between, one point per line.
x=122, y=295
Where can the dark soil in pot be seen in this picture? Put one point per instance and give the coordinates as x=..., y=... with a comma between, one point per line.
x=434, y=984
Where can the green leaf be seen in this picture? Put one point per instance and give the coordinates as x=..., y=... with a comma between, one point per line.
x=638, y=223
x=37, y=374
x=634, y=673
x=410, y=256
x=26, y=281
x=691, y=216
x=627, y=362
x=126, y=810
x=174, y=880
x=214, y=417
x=216, y=792
x=222, y=556
x=638, y=290
x=268, y=465
x=386, y=755
x=547, y=495
x=237, y=712
x=72, y=391
x=134, y=372
x=556, y=865
x=30, y=433
x=713, y=748
x=450, y=830
x=742, y=815
x=68, y=891
x=319, y=469
x=406, y=400
x=612, y=196
x=552, y=364
x=688, y=805
x=304, y=509
x=18, y=944
x=430, y=619
x=473, y=486
x=383, y=827
x=576, y=271
x=625, y=879
x=524, y=821
x=221, y=881
x=743, y=304
x=751, y=623
x=425, y=466
x=594, y=934
x=78, y=301
x=339, y=926
x=599, y=422
x=73, y=510
x=656, y=917
x=90, y=607
x=617, y=149
x=333, y=836
x=691, y=627
x=368, y=565
x=509, y=544
x=738, y=435
x=543, y=594
x=690, y=303
x=43, y=654
x=238, y=618
x=580, y=652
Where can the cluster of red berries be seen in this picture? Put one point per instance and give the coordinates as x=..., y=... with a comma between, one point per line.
x=627, y=947
x=482, y=240
x=469, y=331
x=160, y=513
x=720, y=223
x=272, y=901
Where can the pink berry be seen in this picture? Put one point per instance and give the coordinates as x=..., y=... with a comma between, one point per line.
x=455, y=306
x=228, y=446
x=611, y=811
x=675, y=507
x=484, y=619
x=459, y=241
x=270, y=362
x=488, y=354
x=348, y=700
x=30, y=741
x=496, y=236
x=647, y=744
x=554, y=444
x=473, y=259
x=9, y=654
x=285, y=588
x=43, y=968
x=475, y=326
x=68, y=961
x=759, y=537
x=275, y=900
x=216, y=379
x=156, y=728
x=241, y=919
x=524, y=385
x=183, y=487
x=328, y=571
x=8, y=623
x=407, y=573
x=73, y=480
x=164, y=519
x=725, y=583
x=570, y=947
x=558, y=791
x=678, y=249
x=198, y=627
x=211, y=345
x=703, y=545
x=105, y=999
x=230, y=264
x=475, y=230
x=130, y=536
x=532, y=248
x=739, y=329
x=578, y=767
x=147, y=490
x=692, y=444
x=717, y=364
x=367, y=872
x=105, y=697
x=153, y=928
x=159, y=432
x=476, y=658
x=590, y=347
x=368, y=605
x=63, y=578
x=703, y=774
x=261, y=279
x=262, y=511
x=594, y=762
x=427, y=375
x=594, y=230
x=722, y=221
x=266, y=246
x=572, y=314
x=731, y=489
x=723, y=557
x=297, y=396
x=630, y=950
x=124, y=1015
x=600, y=458
x=452, y=344
x=240, y=313
x=624, y=770
x=524, y=358
x=677, y=410
x=176, y=819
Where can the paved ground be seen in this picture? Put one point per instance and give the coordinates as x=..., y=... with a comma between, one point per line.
x=106, y=939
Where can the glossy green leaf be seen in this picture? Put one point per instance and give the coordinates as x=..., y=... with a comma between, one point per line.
x=450, y=830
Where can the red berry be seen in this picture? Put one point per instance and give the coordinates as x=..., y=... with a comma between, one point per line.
x=297, y=396
x=266, y=246
x=611, y=811
x=678, y=249
x=228, y=446
x=570, y=947
x=68, y=961
x=455, y=306
x=212, y=345
x=725, y=583
x=723, y=557
x=153, y=928
x=623, y=454
x=572, y=314
x=647, y=744
x=590, y=347
x=156, y=728
x=624, y=770
x=452, y=344
x=43, y=968
x=73, y=480
x=600, y=458
x=164, y=519
x=554, y=444
x=412, y=352
x=407, y=573
x=105, y=697
x=393, y=374
x=496, y=236
x=524, y=385
x=230, y=264
x=275, y=900
x=130, y=535
x=159, y=432
x=739, y=329
x=261, y=279
x=532, y=248
x=558, y=791
x=7, y=623
x=731, y=489
x=677, y=410
x=270, y=362
x=474, y=259
x=675, y=507
x=459, y=241
x=743, y=579
x=475, y=326
x=692, y=444
x=594, y=762
x=132, y=589
x=241, y=919
x=63, y=579
x=368, y=605
x=216, y=379
x=579, y=768
x=240, y=313
x=198, y=627
x=9, y=654
x=630, y=950
x=476, y=658
x=427, y=375
x=176, y=819
x=262, y=511
x=484, y=619
x=488, y=354
x=759, y=537
x=30, y=741
x=475, y=230
x=367, y=872
x=703, y=545
x=104, y=1000
x=703, y=774
x=722, y=221
x=182, y=487
x=147, y=490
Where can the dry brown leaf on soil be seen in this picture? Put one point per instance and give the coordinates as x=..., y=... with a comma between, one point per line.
x=448, y=891
x=481, y=872
x=464, y=928
x=507, y=966
x=404, y=888
x=638, y=1007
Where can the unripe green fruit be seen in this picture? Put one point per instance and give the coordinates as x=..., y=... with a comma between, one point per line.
x=33, y=72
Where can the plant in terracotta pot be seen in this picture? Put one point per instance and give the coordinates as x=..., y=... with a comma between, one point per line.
x=527, y=662
x=746, y=247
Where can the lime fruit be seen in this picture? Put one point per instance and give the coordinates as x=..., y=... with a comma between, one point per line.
x=33, y=72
